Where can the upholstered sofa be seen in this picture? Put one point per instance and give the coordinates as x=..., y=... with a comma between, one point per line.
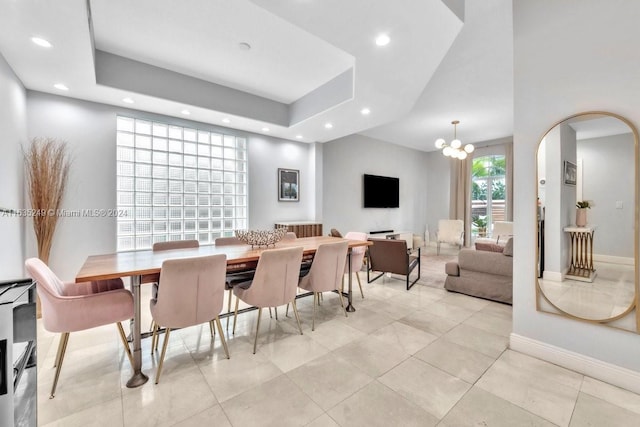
x=482, y=273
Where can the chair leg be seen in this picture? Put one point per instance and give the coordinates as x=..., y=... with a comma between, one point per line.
x=438, y=248
x=229, y=306
x=359, y=284
x=123, y=337
x=224, y=341
x=295, y=310
x=235, y=315
x=164, y=352
x=213, y=331
x=342, y=304
x=255, y=342
x=270, y=314
x=313, y=312
x=286, y=312
x=62, y=348
x=276, y=310
x=154, y=337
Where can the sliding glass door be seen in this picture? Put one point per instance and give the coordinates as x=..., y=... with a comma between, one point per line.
x=488, y=193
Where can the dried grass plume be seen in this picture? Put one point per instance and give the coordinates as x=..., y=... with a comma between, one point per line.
x=47, y=167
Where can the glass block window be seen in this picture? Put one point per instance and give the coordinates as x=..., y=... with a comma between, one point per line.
x=177, y=183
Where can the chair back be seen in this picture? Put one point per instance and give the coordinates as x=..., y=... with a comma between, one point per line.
x=357, y=254
x=276, y=279
x=290, y=236
x=502, y=230
x=191, y=291
x=227, y=241
x=335, y=233
x=175, y=244
x=390, y=256
x=451, y=231
x=327, y=268
x=67, y=307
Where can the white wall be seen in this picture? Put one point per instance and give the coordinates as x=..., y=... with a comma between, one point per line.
x=347, y=159
x=90, y=130
x=13, y=134
x=569, y=57
x=601, y=156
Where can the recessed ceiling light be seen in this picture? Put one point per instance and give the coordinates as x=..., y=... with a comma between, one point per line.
x=365, y=111
x=244, y=46
x=265, y=129
x=226, y=120
x=60, y=86
x=298, y=136
x=128, y=100
x=185, y=112
x=328, y=125
x=41, y=42
x=382, y=40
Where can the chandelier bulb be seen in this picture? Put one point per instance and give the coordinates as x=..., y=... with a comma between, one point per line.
x=456, y=143
x=469, y=148
x=447, y=151
x=440, y=143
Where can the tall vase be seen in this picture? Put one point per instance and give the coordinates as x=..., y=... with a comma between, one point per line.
x=581, y=217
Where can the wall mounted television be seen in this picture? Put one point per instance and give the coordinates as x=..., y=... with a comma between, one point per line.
x=381, y=191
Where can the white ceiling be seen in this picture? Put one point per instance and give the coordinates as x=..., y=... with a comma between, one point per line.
x=414, y=87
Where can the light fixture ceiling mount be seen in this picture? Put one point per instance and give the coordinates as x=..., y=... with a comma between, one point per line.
x=453, y=149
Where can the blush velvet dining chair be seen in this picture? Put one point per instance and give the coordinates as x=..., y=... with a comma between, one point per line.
x=275, y=283
x=72, y=307
x=191, y=292
x=327, y=271
x=357, y=256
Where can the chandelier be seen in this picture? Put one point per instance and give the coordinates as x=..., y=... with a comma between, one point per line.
x=453, y=149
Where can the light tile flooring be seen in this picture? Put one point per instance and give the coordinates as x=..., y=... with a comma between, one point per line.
x=424, y=357
x=610, y=294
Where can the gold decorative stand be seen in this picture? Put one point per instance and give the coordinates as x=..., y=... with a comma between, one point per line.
x=581, y=267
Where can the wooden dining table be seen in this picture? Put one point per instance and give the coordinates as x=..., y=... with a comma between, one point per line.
x=144, y=265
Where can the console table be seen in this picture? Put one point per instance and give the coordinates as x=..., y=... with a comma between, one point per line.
x=581, y=267
x=302, y=228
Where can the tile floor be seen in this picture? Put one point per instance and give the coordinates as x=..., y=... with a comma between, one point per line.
x=424, y=357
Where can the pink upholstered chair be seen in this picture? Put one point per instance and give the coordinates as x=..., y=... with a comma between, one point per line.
x=290, y=236
x=191, y=292
x=274, y=284
x=71, y=307
x=168, y=246
x=326, y=273
x=357, y=256
x=233, y=277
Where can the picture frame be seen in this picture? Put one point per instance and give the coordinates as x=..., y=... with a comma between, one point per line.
x=288, y=185
x=570, y=173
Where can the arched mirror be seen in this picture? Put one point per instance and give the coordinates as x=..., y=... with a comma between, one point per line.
x=588, y=258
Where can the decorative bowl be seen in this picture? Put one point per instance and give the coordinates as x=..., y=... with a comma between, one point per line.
x=261, y=237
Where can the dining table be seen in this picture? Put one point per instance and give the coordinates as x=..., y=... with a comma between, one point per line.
x=143, y=266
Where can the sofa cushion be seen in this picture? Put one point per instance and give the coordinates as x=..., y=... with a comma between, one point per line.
x=490, y=247
x=485, y=262
x=508, y=248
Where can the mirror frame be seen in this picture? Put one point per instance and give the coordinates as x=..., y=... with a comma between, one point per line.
x=635, y=304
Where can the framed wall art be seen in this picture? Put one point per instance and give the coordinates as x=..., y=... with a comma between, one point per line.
x=288, y=185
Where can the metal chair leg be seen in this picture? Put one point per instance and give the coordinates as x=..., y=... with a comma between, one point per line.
x=359, y=284
x=62, y=348
x=255, y=342
x=164, y=352
x=123, y=337
x=313, y=312
x=224, y=341
x=229, y=306
x=342, y=304
x=295, y=310
x=235, y=315
x=213, y=331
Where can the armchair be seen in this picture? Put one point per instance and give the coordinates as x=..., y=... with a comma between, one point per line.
x=450, y=231
x=392, y=256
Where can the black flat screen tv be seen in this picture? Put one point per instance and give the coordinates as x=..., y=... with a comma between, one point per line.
x=381, y=191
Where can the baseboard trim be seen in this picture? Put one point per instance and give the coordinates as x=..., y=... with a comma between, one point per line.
x=553, y=276
x=603, y=371
x=614, y=259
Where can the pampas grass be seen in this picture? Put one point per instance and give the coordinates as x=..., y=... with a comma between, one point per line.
x=47, y=167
